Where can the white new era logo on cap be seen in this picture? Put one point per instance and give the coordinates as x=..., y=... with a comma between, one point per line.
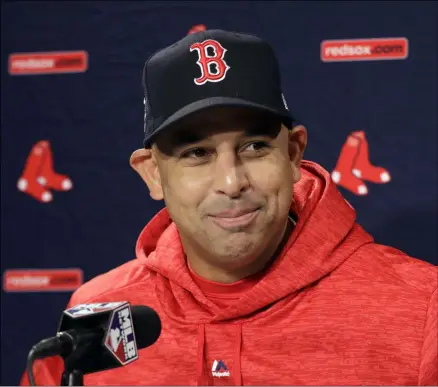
x=284, y=101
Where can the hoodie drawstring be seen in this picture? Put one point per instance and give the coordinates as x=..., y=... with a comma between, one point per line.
x=237, y=352
x=200, y=356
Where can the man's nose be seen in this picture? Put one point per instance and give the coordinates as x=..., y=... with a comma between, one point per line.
x=230, y=175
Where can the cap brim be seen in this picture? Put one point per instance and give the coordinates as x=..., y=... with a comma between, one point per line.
x=216, y=102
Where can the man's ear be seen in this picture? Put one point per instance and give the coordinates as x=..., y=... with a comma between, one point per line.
x=297, y=137
x=143, y=161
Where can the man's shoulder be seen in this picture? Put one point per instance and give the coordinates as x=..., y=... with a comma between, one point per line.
x=387, y=264
x=113, y=282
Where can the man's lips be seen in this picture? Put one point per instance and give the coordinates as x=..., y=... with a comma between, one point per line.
x=234, y=218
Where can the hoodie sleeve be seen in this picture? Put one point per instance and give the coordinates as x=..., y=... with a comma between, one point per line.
x=48, y=372
x=428, y=373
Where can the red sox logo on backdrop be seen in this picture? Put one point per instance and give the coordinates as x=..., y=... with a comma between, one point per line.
x=39, y=174
x=213, y=67
x=354, y=166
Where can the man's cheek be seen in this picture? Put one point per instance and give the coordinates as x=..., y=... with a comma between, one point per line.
x=195, y=184
x=269, y=180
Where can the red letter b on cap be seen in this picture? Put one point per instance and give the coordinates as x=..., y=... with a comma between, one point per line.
x=210, y=73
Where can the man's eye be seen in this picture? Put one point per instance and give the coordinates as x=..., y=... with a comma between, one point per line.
x=257, y=146
x=195, y=153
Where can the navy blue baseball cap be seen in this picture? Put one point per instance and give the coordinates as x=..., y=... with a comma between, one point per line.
x=208, y=69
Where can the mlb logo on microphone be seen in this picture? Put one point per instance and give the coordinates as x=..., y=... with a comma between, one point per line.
x=120, y=339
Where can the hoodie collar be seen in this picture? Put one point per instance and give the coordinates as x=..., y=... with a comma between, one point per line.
x=325, y=235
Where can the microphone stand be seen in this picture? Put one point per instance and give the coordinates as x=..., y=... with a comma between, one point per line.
x=72, y=378
x=71, y=375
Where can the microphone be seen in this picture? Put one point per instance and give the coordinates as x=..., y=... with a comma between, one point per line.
x=99, y=337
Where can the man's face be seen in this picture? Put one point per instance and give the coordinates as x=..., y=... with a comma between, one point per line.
x=226, y=176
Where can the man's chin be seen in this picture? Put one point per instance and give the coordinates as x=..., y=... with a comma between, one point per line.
x=236, y=248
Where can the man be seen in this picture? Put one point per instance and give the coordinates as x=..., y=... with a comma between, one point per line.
x=257, y=267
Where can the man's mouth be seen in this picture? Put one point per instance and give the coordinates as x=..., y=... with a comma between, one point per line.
x=235, y=218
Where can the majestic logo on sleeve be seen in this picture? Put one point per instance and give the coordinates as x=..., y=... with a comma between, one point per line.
x=213, y=67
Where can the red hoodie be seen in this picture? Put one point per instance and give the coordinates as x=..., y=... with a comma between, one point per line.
x=334, y=309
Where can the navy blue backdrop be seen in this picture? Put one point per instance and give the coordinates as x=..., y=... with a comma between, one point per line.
x=93, y=122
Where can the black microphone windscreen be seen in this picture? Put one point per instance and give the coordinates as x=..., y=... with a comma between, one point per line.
x=147, y=325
